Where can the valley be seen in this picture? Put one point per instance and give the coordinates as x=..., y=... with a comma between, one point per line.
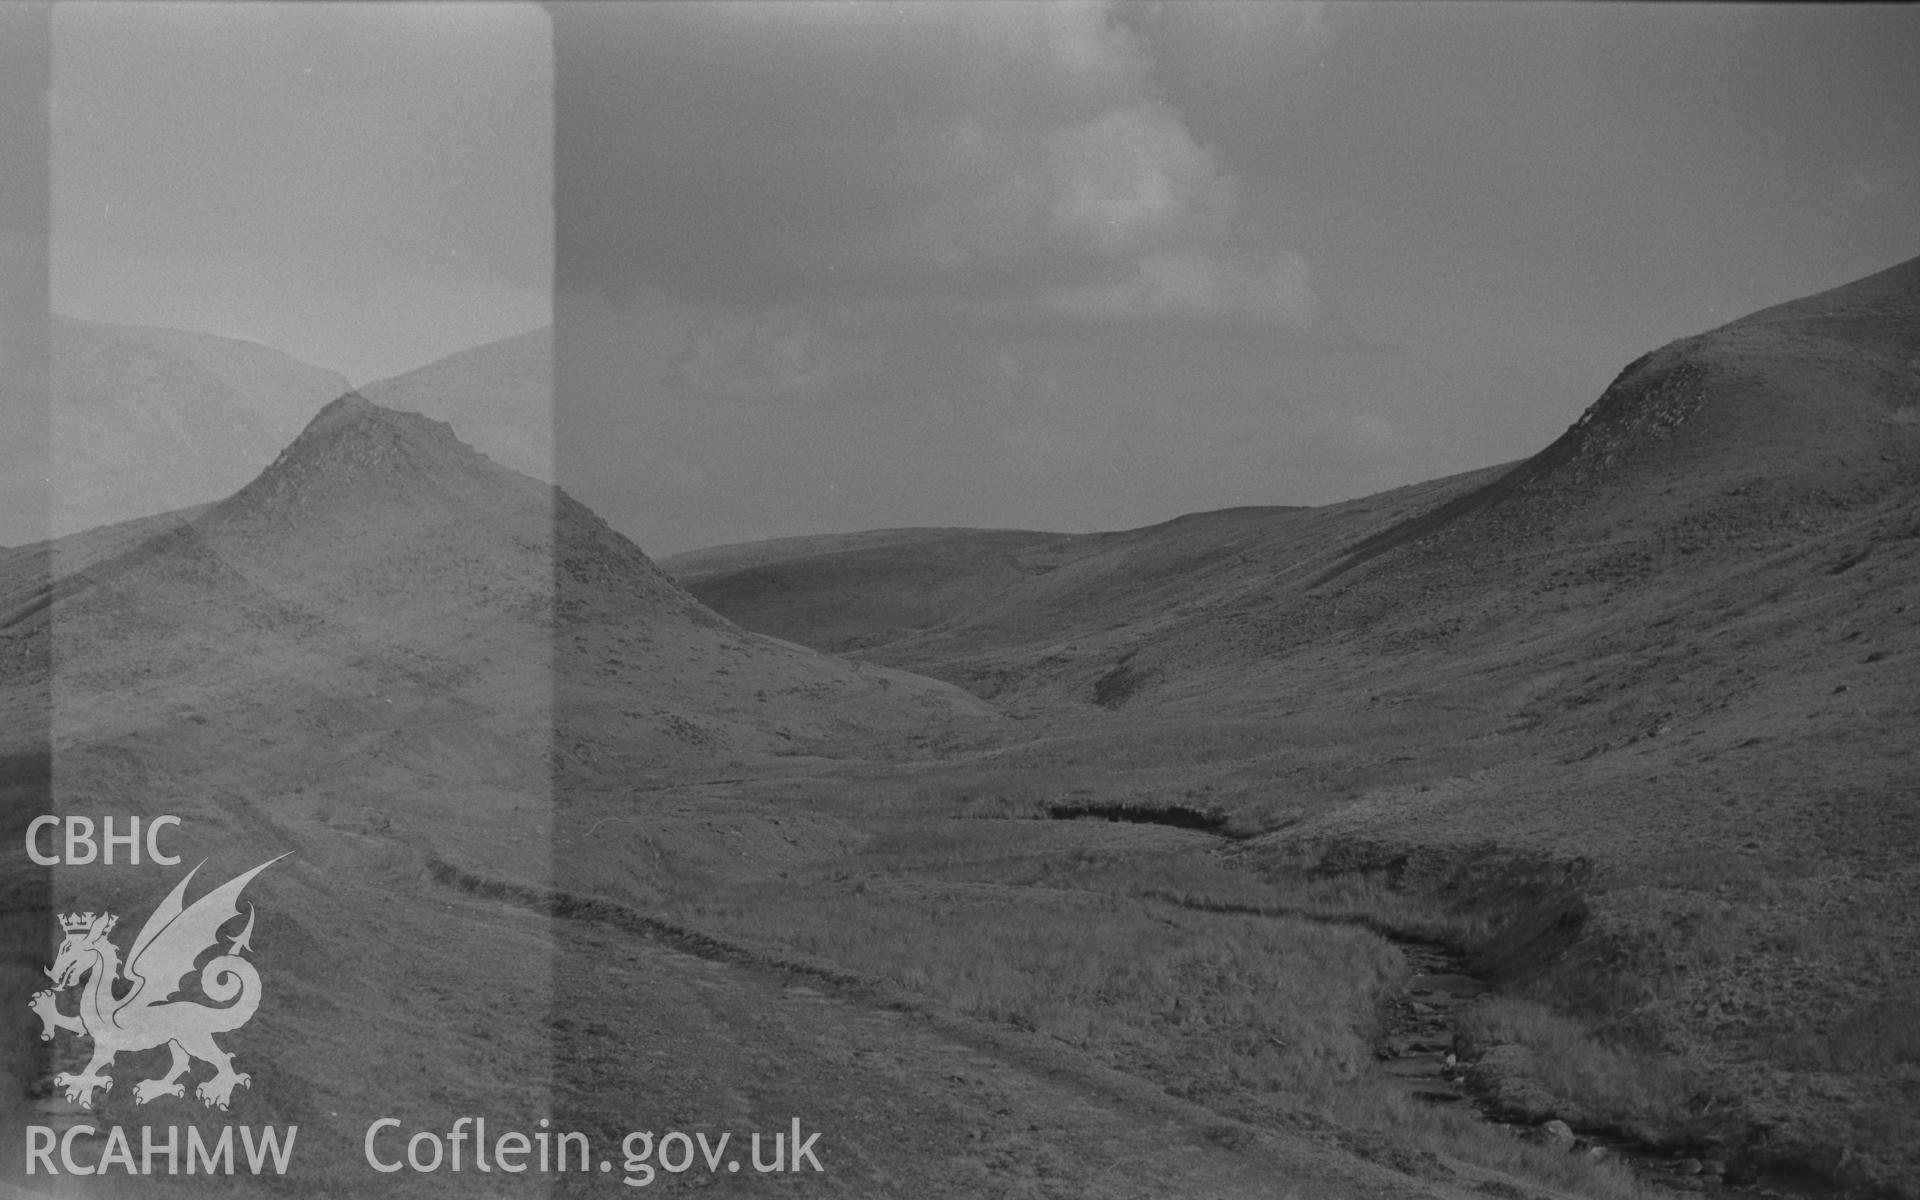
x=1135, y=864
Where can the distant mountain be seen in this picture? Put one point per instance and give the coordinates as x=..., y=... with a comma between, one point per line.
x=498, y=398
x=149, y=420
x=839, y=592
x=843, y=592
x=691, y=566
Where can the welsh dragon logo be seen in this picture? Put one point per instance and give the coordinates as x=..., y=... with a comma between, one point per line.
x=145, y=1016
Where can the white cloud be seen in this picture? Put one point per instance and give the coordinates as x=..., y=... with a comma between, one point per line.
x=1133, y=180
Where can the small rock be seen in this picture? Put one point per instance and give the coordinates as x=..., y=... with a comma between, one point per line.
x=1712, y=1166
x=1555, y=1133
x=1688, y=1166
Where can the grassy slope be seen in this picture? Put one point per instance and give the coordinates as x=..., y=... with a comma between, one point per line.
x=842, y=592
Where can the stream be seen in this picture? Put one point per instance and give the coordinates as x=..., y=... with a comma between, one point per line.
x=1420, y=1048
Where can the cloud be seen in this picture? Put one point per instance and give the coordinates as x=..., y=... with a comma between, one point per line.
x=771, y=355
x=985, y=158
x=1202, y=286
x=1132, y=179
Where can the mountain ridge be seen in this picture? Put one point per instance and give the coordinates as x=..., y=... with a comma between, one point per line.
x=148, y=420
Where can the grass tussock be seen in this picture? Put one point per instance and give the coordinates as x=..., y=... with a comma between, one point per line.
x=1419, y=1132
x=1613, y=1084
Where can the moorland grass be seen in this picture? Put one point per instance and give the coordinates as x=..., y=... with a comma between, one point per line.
x=1460, y=1133
x=1614, y=1085
x=1216, y=1001
x=1239, y=1010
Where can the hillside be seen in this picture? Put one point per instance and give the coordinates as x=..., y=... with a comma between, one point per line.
x=151, y=420
x=843, y=592
x=378, y=539
x=895, y=588
x=695, y=566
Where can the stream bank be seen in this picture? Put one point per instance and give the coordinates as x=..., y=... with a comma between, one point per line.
x=1425, y=1049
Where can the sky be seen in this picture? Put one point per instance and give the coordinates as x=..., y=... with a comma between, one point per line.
x=1065, y=266
x=819, y=267
x=366, y=187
